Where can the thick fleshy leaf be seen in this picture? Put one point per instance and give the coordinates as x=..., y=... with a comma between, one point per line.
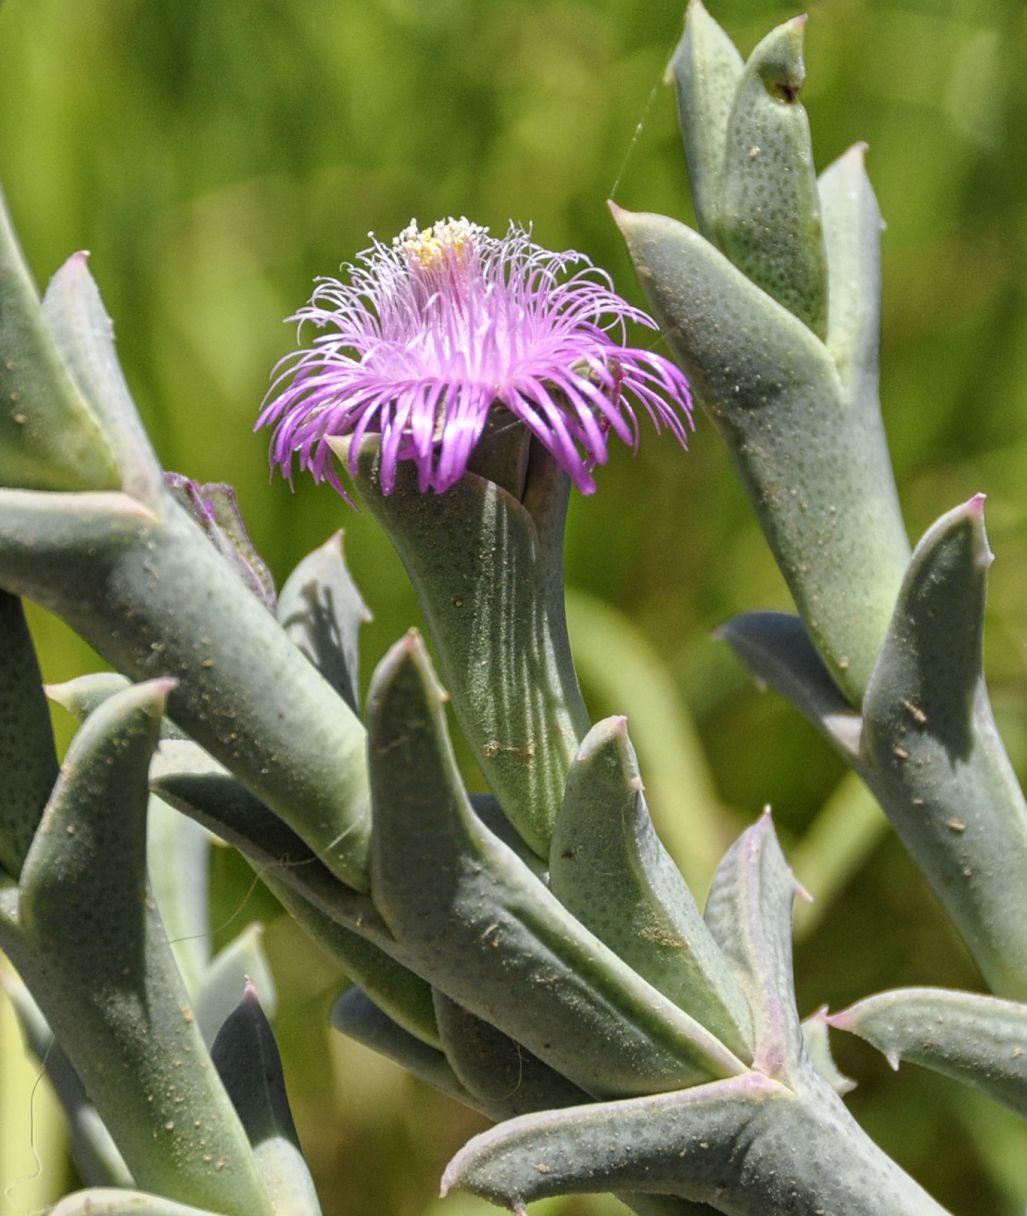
x=82, y=694
x=27, y=757
x=777, y=650
x=485, y=928
x=934, y=758
x=97, y=960
x=706, y=70
x=215, y=508
x=504, y=1077
x=108, y=1201
x=818, y=1051
x=979, y=1040
x=246, y=1056
x=769, y=213
x=812, y=460
x=749, y=913
x=608, y=867
x=84, y=336
x=356, y=1015
x=154, y=597
x=732, y=1144
x=49, y=437
x=321, y=610
x=487, y=570
x=683, y=1143
x=852, y=237
x=95, y=1154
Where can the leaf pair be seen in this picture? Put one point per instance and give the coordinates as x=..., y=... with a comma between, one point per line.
x=926, y=743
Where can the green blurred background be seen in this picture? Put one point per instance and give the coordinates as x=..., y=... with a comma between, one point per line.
x=216, y=155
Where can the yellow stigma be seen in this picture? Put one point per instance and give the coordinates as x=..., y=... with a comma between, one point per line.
x=444, y=241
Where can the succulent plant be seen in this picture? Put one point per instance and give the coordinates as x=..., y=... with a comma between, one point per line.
x=533, y=952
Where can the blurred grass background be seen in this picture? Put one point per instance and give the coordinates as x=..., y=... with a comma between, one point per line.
x=215, y=157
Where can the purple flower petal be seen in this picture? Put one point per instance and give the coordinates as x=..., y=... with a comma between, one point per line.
x=428, y=333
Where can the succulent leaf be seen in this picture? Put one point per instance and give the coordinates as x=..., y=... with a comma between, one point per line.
x=979, y=1040
x=811, y=461
x=97, y=959
x=82, y=694
x=49, y=437
x=356, y=1015
x=215, y=508
x=84, y=335
x=111, y=1201
x=852, y=227
x=749, y=913
x=933, y=756
x=321, y=610
x=818, y=1051
x=483, y=926
x=155, y=597
x=487, y=571
x=686, y=1144
x=706, y=70
x=609, y=869
x=733, y=1144
x=246, y=1056
x=769, y=211
x=27, y=757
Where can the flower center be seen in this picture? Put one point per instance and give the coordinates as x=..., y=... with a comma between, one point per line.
x=446, y=243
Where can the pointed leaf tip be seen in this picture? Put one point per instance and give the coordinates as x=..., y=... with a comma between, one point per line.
x=163, y=687
x=934, y=756
x=778, y=60
x=749, y=912
x=976, y=1039
x=974, y=509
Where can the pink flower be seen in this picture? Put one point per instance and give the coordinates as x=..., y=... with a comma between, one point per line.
x=428, y=334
